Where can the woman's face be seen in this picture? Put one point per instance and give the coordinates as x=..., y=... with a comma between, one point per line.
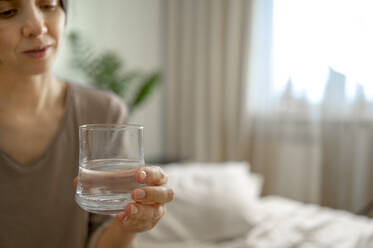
x=30, y=34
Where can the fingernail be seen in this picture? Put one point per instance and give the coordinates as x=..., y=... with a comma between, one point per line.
x=139, y=193
x=121, y=216
x=134, y=209
x=142, y=175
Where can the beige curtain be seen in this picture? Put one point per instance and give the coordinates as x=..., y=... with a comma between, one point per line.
x=317, y=153
x=313, y=156
x=206, y=40
x=219, y=107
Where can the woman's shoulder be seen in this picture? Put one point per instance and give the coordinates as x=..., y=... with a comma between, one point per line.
x=93, y=95
x=97, y=105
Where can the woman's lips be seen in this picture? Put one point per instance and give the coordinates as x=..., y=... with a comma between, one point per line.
x=37, y=53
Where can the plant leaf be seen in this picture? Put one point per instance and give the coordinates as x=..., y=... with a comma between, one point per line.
x=106, y=71
x=147, y=87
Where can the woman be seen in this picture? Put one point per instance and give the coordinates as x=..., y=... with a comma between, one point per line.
x=39, y=119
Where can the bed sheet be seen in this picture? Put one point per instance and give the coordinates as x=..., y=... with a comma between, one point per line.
x=290, y=224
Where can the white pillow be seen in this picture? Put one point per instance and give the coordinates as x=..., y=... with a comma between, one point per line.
x=212, y=202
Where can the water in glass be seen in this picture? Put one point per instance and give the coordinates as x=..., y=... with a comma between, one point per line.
x=105, y=185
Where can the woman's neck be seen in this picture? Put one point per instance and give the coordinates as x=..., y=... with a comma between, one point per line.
x=30, y=94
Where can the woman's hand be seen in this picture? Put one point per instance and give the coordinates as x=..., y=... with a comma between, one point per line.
x=143, y=214
x=149, y=205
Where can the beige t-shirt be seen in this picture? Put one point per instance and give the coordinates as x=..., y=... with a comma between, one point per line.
x=37, y=206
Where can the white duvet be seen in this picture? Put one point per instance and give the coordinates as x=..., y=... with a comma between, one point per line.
x=290, y=224
x=218, y=206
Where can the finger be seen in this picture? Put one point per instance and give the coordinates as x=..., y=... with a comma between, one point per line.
x=140, y=218
x=138, y=213
x=153, y=194
x=75, y=181
x=151, y=175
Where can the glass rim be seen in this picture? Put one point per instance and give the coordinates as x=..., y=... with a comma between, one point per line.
x=110, y=126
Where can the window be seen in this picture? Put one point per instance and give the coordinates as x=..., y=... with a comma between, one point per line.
x=322, y=46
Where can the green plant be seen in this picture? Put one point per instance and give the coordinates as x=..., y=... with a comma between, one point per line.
x=106, y=71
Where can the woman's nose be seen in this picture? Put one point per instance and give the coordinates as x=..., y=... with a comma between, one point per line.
x=34, y=25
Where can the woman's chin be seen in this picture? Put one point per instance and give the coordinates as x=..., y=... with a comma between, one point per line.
x=38, y=69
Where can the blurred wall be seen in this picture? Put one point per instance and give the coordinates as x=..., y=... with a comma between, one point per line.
x=132, y=28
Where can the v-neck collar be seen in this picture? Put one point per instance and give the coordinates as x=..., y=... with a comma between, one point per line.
x=36, y=163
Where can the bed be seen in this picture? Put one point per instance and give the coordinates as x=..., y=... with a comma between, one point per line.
x=218, y=205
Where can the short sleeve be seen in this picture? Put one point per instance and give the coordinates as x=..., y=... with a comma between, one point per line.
x=118, y=110
x=98, y=106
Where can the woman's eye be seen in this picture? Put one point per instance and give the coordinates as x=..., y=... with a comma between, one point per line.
x=49, y=6
x=8, y=13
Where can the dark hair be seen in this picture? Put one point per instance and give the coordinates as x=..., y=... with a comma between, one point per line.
x=64, y=5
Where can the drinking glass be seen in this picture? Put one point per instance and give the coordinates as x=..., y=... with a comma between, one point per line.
x=109, y=156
